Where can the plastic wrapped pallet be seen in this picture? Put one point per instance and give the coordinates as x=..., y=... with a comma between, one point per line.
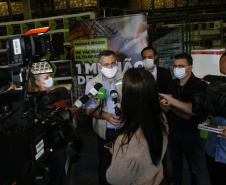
x=168, y=46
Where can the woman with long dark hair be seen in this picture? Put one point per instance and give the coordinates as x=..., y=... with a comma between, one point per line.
x=139, y=149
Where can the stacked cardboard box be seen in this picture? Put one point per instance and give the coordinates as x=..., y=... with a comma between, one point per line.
x=146, y=4
x=60, y=4
x=90, y=3
x=181, y=3
x=159, y=4
x=135, y=5
x=193, y=3
x=204, y=2
x=17, y=8
x=4, y=11
x=47, y=5
x=76, y=4
x=169, y=4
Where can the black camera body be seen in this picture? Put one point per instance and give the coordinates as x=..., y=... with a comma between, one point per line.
x=211, y=102
x=29, y=132
x=31, y=126
x=24, y=47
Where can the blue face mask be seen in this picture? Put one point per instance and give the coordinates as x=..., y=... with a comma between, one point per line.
x=49, y=83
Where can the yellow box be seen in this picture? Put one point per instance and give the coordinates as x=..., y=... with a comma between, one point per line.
x=3, y=3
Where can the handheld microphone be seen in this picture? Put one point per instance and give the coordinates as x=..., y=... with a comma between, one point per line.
x=115, y=99
x=93, y=91
x=79, y=103
x=55, y=95
x=101, y=95
x=85, y=98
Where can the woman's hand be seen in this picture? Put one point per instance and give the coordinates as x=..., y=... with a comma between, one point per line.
x=222, y=135
x=118, y=105
x=110, y=151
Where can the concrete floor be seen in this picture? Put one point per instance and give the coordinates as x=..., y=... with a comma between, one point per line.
x=84, y=171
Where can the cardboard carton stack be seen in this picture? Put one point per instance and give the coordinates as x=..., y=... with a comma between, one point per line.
x=90, y=3
x=159, y=4
x=204, y=2
x=17, y=8
x=193, y=3
x=47, y=5
x=146, y=4
x=135, y=5
x=60, y=4
x=76, y=4
x=169, y=4
x=181, y=3
x=4, y=11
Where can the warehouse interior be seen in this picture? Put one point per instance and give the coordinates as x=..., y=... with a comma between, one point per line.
x=173, y=26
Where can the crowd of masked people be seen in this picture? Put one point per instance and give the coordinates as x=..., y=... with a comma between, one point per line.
x=156, y=118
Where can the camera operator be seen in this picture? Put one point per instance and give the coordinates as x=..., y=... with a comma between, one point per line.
x=216, y=144
x=42, y=82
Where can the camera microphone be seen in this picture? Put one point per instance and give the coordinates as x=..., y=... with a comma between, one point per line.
x=101, y=95
x=79, y=103
x=55, y=95
x=85, y=98
x=115, y=99
x=93, y=91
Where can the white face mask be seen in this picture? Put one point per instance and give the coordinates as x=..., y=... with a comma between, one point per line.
x=109, y=73
x=49, y=82
x=179, y=72
x=148, y=63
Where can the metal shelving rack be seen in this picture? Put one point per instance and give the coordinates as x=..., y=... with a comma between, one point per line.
x=40, y=12
x=201, y=6
x=207, y=31
x=170, y=21
x=169, y=36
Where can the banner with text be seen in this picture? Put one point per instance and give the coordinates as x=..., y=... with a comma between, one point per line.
x=126, y=36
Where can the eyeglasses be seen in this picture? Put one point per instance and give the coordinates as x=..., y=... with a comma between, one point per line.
x=113, y=64
x=180, y=66
x=149, y=57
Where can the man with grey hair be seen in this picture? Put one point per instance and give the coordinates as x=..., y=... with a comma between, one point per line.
x=108, y=124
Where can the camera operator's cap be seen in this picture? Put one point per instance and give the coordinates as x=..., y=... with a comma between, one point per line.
x=41, y=67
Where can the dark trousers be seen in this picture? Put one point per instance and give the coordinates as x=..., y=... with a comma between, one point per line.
x=217, y=171
x=189, y=145
x=104, y=155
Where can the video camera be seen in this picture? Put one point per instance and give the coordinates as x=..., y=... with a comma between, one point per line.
x=213, y=101
x=31, y=126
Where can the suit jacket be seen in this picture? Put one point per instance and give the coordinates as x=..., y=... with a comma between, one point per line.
x=163, y=79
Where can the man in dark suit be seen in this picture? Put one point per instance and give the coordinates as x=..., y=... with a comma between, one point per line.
x=162, y=75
